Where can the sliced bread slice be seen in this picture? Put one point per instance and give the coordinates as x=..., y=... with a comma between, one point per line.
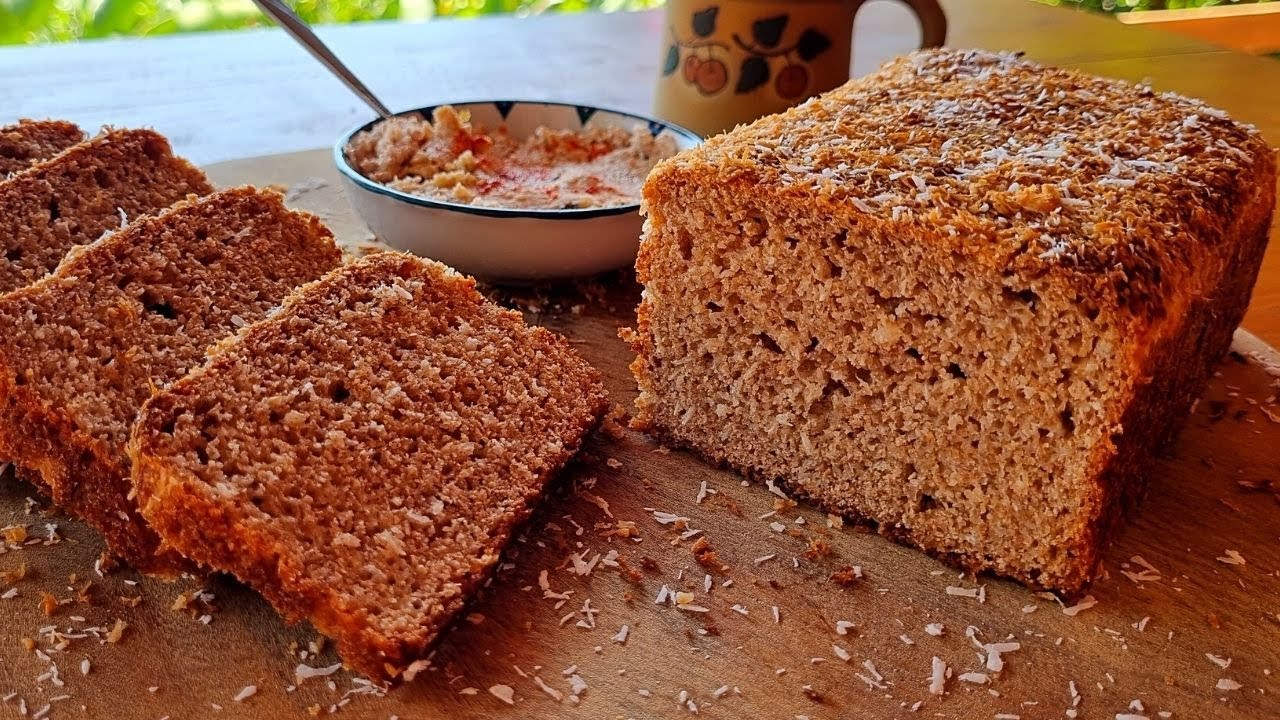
x=362, y=457
x=75, y=197
x=27, y=142
x=84, y=347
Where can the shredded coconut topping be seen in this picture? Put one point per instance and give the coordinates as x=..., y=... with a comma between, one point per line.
x=1027, y=165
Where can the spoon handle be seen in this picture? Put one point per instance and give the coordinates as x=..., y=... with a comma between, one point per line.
x=301, y=32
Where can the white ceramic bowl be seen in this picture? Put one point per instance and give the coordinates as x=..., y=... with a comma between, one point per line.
x=500, y=243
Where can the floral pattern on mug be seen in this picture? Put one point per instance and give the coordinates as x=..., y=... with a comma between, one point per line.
x=703, y=59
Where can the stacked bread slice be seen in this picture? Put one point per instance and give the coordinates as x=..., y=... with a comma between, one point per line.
x=27, y=142
x=362, y=457
x=210, y=388
x=88, y=344
x=87, y=190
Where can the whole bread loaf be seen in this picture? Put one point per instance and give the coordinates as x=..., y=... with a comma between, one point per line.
x=84, y=347
x=362, y=457
x=964, y=298
x=27, y=142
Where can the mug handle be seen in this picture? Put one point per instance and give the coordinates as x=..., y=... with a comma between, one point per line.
x=933, y=22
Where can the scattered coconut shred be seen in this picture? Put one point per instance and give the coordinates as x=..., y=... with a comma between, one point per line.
x=505, y=693
x=577, y=686
x=1232, y=557
x=585, y=561
x=304, y=672
x=995, y=663
x=979, y=593
x=1228, y=685
x=1088, y=602
x=938, y=676
x=544, y=687
x=117, y=631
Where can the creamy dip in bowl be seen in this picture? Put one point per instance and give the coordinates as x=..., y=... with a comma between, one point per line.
x=510, y=190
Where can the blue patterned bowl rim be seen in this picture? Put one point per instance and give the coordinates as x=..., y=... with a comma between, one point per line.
x=584, y=111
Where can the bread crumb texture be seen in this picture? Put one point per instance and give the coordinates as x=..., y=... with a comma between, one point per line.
x=362, y=457
x=964, y=298
x=27, y=142
x=90, y=189
x=129, y=314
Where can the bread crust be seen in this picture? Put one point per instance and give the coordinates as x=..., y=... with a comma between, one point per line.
x=55, y=456
x=1181, y=363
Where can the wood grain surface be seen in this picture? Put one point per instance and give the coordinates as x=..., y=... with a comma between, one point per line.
x=1185, y=622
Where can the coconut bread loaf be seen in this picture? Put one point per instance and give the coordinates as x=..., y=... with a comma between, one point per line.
x=84, y=347
x=362, y=457
x=75, y=197
x=27, y=142
x=964, y=298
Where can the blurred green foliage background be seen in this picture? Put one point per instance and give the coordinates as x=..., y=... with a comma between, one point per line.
x=34, y=21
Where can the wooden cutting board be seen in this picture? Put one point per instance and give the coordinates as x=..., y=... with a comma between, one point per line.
x=1186, y=621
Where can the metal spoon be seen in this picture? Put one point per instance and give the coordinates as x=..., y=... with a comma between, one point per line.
x=300, y=31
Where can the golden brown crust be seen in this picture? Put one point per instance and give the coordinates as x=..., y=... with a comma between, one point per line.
x=1034, y=170
x=1181, y=361
x=234, y=516
x=27, y=142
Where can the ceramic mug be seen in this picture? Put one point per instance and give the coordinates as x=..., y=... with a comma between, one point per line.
x=727, y=62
